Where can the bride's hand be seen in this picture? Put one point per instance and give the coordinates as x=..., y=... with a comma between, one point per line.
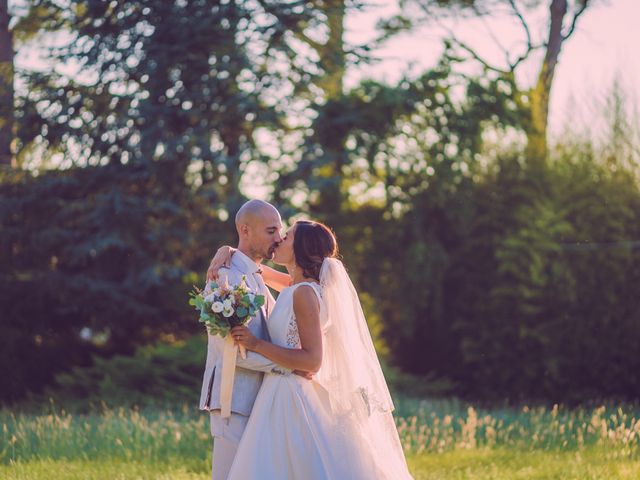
x=222, y=258
x=243, y=336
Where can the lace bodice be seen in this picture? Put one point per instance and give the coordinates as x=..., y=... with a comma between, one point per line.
x=293, y=338
x=282, y=324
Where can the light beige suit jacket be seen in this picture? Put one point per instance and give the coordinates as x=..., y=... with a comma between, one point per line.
x=249, y=371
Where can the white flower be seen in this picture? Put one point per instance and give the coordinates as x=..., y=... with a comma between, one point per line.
x=227, y=312
x=217, y=307
x=228, y=303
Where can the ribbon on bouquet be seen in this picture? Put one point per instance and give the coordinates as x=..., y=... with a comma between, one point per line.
x=228, y=374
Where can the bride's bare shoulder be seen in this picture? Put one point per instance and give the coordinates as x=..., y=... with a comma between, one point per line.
x=305, y=299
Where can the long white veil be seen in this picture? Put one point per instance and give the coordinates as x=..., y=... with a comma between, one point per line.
x=351, y=374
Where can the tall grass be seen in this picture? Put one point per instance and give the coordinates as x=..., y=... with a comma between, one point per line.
x=438, y=426
x=425, y=426
x=126, y=434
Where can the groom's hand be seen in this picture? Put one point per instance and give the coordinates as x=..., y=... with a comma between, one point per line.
x=304, y=374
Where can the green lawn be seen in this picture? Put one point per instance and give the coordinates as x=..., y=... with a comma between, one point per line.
x=494, y=464
x=504, y=464
x=107, y=469
x=444, y=440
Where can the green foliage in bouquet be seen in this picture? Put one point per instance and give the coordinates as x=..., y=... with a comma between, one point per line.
x=222, y=307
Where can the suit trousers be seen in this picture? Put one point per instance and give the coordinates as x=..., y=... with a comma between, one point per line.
x=227, y=433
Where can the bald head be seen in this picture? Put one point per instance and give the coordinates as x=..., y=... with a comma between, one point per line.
x=254, y=212
x=258, y=224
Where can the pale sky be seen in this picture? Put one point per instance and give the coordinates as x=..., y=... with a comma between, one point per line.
x=605, y=45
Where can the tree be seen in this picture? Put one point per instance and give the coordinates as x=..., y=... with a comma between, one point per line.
x=561, y=18
x=321, y=34
x=176, y=82
x=154, y=131
x=6, y=86
x=540, y=93
x=94, y=248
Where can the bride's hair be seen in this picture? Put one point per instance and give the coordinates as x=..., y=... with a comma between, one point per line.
x=312, y=243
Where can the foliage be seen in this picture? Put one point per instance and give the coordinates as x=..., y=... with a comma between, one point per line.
x=159, y=374
x=523, y=281
x=104, y=252
x=540, y=314
x=175, y=82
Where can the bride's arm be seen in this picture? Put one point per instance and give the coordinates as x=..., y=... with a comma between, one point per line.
x=275, y=279
x=222, y=258
x=309, y=356
x=272, y=277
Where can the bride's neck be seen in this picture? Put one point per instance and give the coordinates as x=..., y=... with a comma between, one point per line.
x=295, y=272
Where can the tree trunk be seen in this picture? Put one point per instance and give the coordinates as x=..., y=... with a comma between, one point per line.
x=6, y=86
x=332, y=56
x=333, y=63
x=540, y=94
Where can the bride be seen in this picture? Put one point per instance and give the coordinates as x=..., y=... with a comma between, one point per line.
x=338, y=425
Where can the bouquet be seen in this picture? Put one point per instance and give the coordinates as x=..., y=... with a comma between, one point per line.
x=223, y=307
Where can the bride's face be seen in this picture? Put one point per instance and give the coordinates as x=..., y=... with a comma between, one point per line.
x=283, y=254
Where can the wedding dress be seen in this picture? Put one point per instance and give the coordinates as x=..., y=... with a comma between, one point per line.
x=337, y=426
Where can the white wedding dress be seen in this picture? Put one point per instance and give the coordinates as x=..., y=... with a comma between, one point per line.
x=296, y=430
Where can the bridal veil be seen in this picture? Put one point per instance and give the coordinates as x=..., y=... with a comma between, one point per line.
x=351, y=374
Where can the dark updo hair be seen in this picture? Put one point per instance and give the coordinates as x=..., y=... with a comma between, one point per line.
x=312, y=243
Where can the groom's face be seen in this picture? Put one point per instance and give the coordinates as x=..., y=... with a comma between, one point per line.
x=265, y=235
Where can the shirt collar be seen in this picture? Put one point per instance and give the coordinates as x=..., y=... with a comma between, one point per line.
x=244, y=263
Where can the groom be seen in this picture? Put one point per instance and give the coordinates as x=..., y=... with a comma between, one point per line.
x=258, y=225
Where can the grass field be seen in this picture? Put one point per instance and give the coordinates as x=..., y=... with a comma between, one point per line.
x=443, y=440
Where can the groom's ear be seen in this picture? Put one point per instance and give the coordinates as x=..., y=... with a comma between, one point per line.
x=243, y=229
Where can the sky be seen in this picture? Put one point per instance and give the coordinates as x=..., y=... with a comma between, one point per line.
x=603, y=47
